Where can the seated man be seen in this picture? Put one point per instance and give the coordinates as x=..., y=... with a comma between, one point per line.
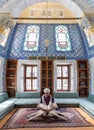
x=47, y=106
x=47, y=101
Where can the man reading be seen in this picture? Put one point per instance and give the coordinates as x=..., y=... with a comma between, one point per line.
x=47, y=106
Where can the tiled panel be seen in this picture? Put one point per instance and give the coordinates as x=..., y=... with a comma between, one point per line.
x=15, y=43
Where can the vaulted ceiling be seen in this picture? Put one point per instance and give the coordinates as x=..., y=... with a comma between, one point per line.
x=86, y=6
x=79, y=7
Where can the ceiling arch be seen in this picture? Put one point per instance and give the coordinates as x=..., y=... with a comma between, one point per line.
x=77, y=6
x=15, y=8
x=39, y=13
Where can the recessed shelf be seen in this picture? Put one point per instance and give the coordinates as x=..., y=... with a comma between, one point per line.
x=11, y=69
x=83, y=78
x=46, y=75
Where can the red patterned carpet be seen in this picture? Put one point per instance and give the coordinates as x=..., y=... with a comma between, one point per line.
x=19, y=120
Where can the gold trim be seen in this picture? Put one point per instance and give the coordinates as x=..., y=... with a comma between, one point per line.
x=2, y=30
x=25, y=18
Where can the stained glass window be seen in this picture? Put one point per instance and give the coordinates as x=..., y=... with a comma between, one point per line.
x=62, y=38
x=31, y=38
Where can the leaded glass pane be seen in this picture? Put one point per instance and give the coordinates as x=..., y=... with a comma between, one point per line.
x=32, y=38
x=34, y=84
x=59, y=84
x=28, y=84
x=62, y=38
x=28, y=72
x=65, y=71
x=35, y=71
x=58, y=71
x=65, y=84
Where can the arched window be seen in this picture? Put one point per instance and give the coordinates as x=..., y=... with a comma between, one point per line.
x=31, y=38
x=62, y=38
x=5, y=35
x=90, y=37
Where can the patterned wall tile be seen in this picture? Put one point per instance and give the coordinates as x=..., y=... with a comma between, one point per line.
x=15, y=43
x=14, y=47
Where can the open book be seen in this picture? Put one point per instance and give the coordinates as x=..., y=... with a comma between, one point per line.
x=44, y=107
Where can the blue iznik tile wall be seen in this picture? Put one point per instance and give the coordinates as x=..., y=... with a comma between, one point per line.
x=15, y=43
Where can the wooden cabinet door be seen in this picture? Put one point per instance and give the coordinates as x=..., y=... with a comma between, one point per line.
x=47, y=75
x=83, y=78
x=11, y=72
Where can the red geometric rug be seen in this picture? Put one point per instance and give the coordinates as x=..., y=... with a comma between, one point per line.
x=19, y=120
